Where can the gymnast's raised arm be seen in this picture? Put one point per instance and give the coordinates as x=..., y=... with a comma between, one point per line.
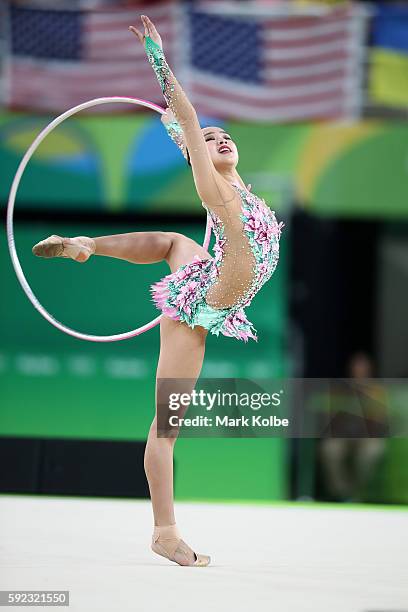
x=212, y=188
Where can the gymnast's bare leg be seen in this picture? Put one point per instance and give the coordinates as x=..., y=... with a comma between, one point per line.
x=135, y=247
x=181, y=357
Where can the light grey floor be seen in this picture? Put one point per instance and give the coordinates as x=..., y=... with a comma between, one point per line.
x=285, y=559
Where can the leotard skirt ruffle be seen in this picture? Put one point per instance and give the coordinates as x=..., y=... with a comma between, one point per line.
x=181, y=296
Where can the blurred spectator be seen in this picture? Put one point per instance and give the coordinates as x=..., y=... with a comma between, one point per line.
x=348, y=463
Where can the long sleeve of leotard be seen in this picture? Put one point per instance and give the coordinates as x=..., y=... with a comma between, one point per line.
x=174, y=95
x=211, y=186
x=175, y=132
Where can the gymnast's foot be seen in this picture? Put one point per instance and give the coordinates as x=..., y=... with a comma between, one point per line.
x=79, y=248
x=167, y=542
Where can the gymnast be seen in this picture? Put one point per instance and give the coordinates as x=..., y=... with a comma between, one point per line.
x=202, y=293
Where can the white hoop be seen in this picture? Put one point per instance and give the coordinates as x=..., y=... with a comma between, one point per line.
x=10, y=229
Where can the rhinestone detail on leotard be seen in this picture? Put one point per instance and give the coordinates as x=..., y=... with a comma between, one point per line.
x=181, y=294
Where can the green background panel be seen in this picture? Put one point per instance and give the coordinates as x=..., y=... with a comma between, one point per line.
x=53, y=385
x=111, y=163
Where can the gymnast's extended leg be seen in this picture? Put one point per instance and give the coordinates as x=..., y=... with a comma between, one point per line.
x=135, y=247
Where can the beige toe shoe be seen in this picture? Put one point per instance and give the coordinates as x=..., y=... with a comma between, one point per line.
x=166, y=541
x=79, y=248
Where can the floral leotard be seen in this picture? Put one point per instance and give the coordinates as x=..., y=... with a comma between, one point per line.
x=214, y=292
x=182, y=294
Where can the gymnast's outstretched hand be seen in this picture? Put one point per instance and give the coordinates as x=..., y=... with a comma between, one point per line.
x=149, y=30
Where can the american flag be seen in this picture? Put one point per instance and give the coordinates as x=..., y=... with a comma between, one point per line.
x=277, y=68
x=245, y=65
x=60, y=58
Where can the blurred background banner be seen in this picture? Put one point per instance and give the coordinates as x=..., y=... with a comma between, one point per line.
x=89, y=163
x=389, y=55
x=240, y=65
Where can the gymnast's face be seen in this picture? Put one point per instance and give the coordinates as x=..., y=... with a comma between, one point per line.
x=222, y=148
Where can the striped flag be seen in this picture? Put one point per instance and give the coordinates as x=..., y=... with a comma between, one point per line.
x=60, y=58
x=247, y=65
x=277, y=68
